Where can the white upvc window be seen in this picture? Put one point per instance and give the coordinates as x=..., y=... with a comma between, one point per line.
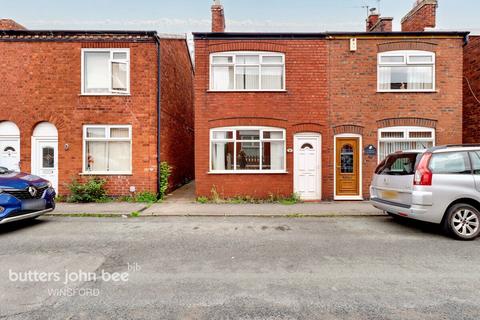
x=107, y=149
x=406, y=71
x=247, y=150
x=395, y=139
x=105, y=71
x=247, y=71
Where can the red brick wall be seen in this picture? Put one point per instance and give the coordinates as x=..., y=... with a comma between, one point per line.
x=41, y=82
x=330, y=90
x=177, y=139
x=354, y=98
x=471, y=106
x=421, y=17
x=304, y=101
x=8, y=24
x=218, y=18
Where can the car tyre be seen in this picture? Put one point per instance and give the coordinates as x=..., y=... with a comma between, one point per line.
x=462, y=221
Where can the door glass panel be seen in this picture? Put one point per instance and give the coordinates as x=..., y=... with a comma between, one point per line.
x=306, y=146
x=346, y=158
x=48, y=157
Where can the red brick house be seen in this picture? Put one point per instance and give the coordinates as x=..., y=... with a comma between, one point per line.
x=108, y=104
x=471, y=90
x=314, y=113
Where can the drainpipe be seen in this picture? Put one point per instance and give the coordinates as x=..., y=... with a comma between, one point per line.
x=159, y=104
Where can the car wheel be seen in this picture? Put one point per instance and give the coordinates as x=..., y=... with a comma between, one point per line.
x=462, y=221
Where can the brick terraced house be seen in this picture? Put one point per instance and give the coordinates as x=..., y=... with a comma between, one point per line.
x=314, y=113
x=108, y=104
x=471, y=90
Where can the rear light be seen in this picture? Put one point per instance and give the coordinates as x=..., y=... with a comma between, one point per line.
x=423, y=175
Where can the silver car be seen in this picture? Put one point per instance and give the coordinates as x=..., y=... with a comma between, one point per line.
x=439, y=185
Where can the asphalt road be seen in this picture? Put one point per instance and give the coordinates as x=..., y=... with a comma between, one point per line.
x=236, y=268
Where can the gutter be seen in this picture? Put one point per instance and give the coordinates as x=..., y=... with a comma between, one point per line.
x=159, y=107
x=323, y=35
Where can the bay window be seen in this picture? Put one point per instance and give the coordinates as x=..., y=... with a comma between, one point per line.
x=247, y=71
x=105, y=71
x=247, y=149
x=406, y=71
x=395, y=139
x=107, y=149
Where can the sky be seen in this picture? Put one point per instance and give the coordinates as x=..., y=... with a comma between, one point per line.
x=185, y=16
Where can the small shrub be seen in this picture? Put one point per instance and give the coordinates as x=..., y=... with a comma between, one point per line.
x=215, y=196
x=91, y=191
x=146, y=197
x=135, y=214
x=165, y=172
x=202, y=200
x=294, y=198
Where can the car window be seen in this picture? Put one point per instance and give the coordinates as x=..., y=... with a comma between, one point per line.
x=475, y=156
x=398, y=164
x=450, y=163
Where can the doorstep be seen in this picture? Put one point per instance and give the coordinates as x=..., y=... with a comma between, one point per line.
x=325, y=209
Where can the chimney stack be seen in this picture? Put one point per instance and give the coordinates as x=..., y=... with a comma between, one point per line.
x=422, y=16
x=376, y=23
x=218, y=17
x=9, y=24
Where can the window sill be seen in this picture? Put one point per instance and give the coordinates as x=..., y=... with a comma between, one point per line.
x=407, y=91
x=105, y=174
x=104, y=94
x=246, y=91
x=248, y=172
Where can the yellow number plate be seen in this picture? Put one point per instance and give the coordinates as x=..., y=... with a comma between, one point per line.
x=389, y=194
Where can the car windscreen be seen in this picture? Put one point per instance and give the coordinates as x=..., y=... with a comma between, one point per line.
x=400, y=164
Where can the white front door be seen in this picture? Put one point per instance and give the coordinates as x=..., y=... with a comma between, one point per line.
x=307, y=164
x=10, y=153
x=45, y=160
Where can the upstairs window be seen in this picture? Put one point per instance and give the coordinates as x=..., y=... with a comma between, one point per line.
x=247, y=71
x=395, y=139
x=105, y=71
x=412, y=71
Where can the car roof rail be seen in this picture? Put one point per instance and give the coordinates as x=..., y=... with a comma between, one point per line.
x=446, y=146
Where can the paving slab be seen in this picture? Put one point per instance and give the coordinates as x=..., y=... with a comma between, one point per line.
x=361, y=208
x=110, y=208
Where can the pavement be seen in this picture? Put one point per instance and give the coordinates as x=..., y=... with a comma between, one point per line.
x=182, y=203
x=236, y=268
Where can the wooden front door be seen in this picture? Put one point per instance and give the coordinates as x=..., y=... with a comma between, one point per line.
x=347, y=167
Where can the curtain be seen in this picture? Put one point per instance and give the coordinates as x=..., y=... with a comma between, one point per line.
x=420, y=78
x=247, y=78
x=272, y=77
x=388, y=147
x=96, y=72
x=385, y=78
x=119, y=156
x=218, y=152
x=119, y=76
x=96, y=157
x=277, y=155
x=222, y=78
